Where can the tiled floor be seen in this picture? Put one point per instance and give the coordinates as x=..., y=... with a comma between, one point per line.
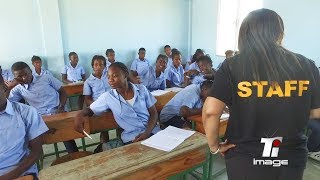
x=312, y=171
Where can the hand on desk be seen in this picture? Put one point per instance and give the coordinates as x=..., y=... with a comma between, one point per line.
x=141, y=137
x=79, y=124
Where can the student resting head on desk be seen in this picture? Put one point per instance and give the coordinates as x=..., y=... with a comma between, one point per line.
x=187, y=102
x=45, y=93
x=132, y=105
x=20, y=137
x=174, y=73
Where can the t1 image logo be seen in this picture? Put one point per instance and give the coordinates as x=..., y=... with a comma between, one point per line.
x=271, y=149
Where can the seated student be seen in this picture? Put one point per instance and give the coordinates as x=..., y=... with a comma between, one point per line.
x=20, y=137
x=187, y=102
x=45, y=93
x=140, y=66
x=8, y=78
x=191, y=64
x=73, y=72
x=110, y=54
x=229, y=53
x=155, y=78
x=38, y=70
x=167, y=51
x=132, y=105
x=206, y=71
x=174, y=73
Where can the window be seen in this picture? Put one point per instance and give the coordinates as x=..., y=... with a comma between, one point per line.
x=230, y=16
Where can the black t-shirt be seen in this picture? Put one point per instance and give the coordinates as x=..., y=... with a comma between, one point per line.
x=259, y=109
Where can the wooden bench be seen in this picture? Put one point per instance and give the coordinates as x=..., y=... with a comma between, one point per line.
x=133, y=161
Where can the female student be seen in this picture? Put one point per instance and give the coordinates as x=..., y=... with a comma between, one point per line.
x=73, y=72
x=132, y=105
x=187, y=102
x=38, y=70
x=174, y=73
x=96, y=84
x=155, y=78
x=191, y=64
x=271, y=93
x=20, y=137
x=110, y=54
x=206, y=70
x=140, y=66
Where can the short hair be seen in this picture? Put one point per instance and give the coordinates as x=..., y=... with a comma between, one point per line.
x=161, y=56
x=17, y=66
x=98, y=57
x=72, y=53
x=109, y=51
x=166, y=46
x=122, y=67
x=1, y=79
x=206, y=84
x=228, y=52
x=176, y=52
x=35, y=58
x=142, y=49
x=205, y=58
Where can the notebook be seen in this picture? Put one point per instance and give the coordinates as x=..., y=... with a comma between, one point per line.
x=168, y=139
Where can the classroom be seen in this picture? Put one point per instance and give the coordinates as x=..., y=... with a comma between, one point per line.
x=159, y=89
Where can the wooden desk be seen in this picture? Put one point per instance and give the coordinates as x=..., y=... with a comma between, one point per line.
x=163, y=100
x=133, y=161
x=199, y=125
x=73, y=89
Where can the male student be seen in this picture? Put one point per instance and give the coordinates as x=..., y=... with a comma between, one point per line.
x=45, y=93
x=140, y=66
x=187, y=102
x=20, y=137
x=167, y=51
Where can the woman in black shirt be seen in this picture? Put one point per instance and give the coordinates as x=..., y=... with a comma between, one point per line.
x=271, y=92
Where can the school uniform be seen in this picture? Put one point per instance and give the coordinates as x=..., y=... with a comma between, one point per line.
x=7, y=75
x=20, y=124
x=105, y=70
x=189, y=96
x=41, y=93
x=198, y=79
x=141, y=66
x=94, y=86
x=42, y=72
x=73, y=74
x=283, y=115
x=187, y=67
x=175, y=75
x=195, y=66
x=152, y=82
x=132, y=118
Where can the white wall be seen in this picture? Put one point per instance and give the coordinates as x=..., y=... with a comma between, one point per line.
x=53, y=28
x=300, y=20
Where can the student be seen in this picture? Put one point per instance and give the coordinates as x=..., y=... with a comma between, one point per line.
x=140, y=66
x=132, y=105
x=20, y=137
x=155, y=78
x=187, y=102
x=73, y=72
x=229, y=53
x=45, y=93
x=96, y=84
x=175, y=73
x=191, y=64
x=8, y=78
x=206, y=70
x=110, y=54
x=167, y=51
x=271, y=93
x=38, y=70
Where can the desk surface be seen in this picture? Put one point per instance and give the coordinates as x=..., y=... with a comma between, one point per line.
x=199, y=125
x=134, y=161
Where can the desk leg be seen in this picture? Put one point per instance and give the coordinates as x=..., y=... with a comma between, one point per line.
x=56, y=150
x=83, y=144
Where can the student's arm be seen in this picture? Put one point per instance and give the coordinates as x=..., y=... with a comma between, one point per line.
x=151, y=124
x=168, y=83
x=163, y=85
x=134, y=73
x=35, y=146
x=79, y=119
x=62, y=100
x=185, y=111
x=65, y=80
x=88, y=99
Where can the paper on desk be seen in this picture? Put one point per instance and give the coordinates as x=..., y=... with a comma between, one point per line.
x=159, y=92
x=168, y=139
x=174, y=89
x=224, y=116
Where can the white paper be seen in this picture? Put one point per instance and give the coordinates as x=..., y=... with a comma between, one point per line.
x=174, y=89
x=224, y=116
x=159, y=92
x=168, y=139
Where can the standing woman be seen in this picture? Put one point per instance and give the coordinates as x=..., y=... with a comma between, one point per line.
x=271, y=93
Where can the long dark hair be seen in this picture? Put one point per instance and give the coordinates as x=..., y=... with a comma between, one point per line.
x=259, y=43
